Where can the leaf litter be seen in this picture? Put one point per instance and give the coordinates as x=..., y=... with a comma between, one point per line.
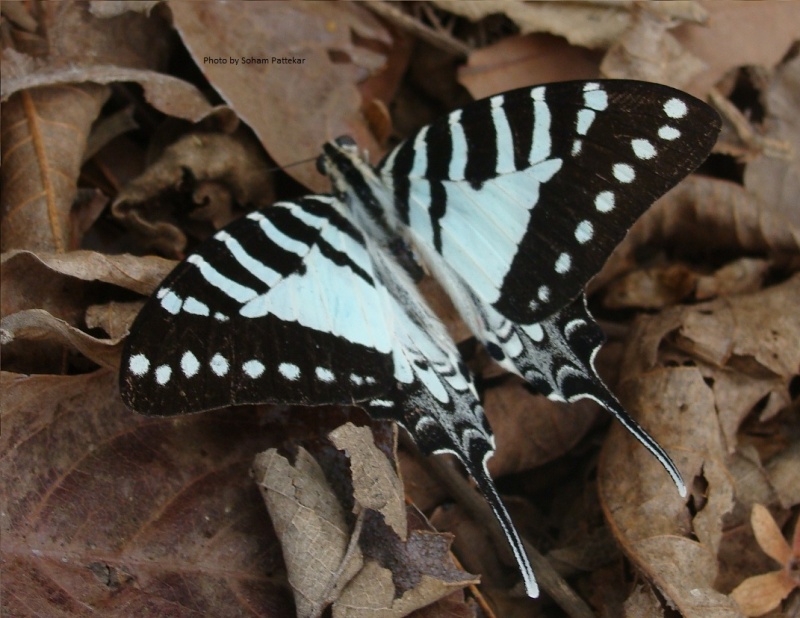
x=107, y=510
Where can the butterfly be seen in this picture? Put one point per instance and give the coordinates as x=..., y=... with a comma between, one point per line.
x=513, y=203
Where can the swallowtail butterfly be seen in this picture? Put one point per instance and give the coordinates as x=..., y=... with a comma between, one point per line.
x=513, y=202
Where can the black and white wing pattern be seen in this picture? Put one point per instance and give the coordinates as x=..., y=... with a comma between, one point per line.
x=280, y=306
x=525, y=194
x=513, y=203
x=434, y=399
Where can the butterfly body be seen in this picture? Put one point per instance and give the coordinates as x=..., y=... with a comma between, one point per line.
x=512, y=203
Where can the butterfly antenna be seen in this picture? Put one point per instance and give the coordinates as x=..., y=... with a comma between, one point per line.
x=596, y=390
x=487, y=488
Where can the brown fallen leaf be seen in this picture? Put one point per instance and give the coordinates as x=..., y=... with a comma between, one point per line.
x=37, y=325
x=697, y=209
x=44, y=138
x=371, y=568
x=589, y=25
x=760, y=594
x=110, y=513
x=320, y=553
x=648, y=51
x=225, y=171
x=519, y=61
x=772, y=178
x=376, y=484
x=265, y=94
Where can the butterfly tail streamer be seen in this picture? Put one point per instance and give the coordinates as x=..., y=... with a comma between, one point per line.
x=594, y=389
x=480, y=474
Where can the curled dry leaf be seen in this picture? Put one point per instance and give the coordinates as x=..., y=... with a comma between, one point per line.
x=764, y=33
x=321, y=555
x=520, y=61
x=584, y=24
x=47, y=281
x=692, y=399
x=772, y=178
x=226, y=170
x=697, y=209
x=327, y=562
x=648, y=51
x=114, y=514
x=376, y=484
x=43, y=300
x=45, y=133
x=38, y=325
x=760, y=594
x=265, y=94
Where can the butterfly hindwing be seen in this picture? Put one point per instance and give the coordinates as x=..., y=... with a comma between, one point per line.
x=525, y=194
x=280, y=306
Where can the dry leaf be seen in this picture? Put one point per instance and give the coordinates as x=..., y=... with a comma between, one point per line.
x=376, y=484
x=519, y=61
x=530, y=430
x=37, y=325
x=265, y=95
x=225, y=170
x=647, y=51
x=761, y=593
x=584, y=24
x=773, y=179
x=320, y=553
x=44, y=139
x=739, y=34
x=697, y=209
x=391, y=573
x=119, y=515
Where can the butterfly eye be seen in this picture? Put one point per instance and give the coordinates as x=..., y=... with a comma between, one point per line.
x=322, y=164
x=347, y=145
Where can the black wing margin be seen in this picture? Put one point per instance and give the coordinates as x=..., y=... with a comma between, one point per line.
x=280, y=306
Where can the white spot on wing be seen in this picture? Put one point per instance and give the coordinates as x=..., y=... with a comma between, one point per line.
x=189, y=364
x=623, y=172
x=643, y=149
x=194, y=306
x=595, y=97
x=290, y=371
x=584, y=232
x=563, y=263
x=138, y=364
x=577, y=145
x=675, y=108
x=253, y=368
x=323, y=374
x=534, y=331
x=585, y=119
x=669, y=133
x=543, y=293
x=604, y=202
x=163, y=374
x=220, y=317
x=171, y=302
x=356, y=379
x=383, y=403
x=219, y=365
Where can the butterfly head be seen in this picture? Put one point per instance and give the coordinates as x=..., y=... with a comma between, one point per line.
x=335, y=153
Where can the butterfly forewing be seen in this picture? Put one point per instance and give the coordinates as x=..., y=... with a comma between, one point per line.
x=525, y=194
x=281, y=306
